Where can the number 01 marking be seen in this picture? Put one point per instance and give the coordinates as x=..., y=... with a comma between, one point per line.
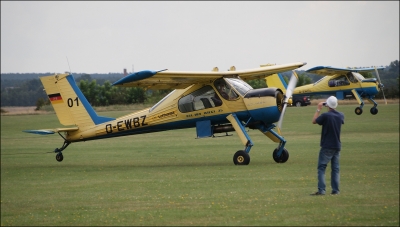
x=71, y=102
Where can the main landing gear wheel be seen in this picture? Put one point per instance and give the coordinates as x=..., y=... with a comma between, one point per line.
x=283, y=158
x=358, y=111
x=59, y=157
x=374, y=110
x=241, y=158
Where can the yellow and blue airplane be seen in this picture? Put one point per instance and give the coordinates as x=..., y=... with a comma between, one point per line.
x=212, y=102
x=339, y=82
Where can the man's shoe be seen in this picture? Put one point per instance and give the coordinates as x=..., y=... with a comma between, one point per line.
x=317, y=193
x=335, y=193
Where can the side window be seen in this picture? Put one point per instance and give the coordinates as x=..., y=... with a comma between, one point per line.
x=339, y=81
x=225, y=89
x=203, y=98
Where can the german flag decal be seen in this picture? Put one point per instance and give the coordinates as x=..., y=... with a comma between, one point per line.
x=56, y=98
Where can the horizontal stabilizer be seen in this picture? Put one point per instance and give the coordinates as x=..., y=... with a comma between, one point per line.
x=51, y=131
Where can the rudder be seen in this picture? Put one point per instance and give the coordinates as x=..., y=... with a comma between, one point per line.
x=276, y=80
x=69, y=103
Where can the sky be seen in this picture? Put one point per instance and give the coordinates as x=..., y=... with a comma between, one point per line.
x=110, y=36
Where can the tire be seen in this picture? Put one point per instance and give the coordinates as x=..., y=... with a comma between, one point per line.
x=298, y=104
x=283, y=158
x=241, y=158
x=59, y=157
x=358, y=111
x=374, y=110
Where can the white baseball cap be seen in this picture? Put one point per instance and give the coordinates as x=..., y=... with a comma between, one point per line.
x=332, y=102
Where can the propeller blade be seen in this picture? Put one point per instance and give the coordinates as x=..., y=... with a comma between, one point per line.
x=380, y=84
x=289, y=91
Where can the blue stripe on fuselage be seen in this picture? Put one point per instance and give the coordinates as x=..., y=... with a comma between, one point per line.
x=190, y=123
x=270, y=114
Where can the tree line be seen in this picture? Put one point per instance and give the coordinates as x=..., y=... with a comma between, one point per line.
x=100, y=92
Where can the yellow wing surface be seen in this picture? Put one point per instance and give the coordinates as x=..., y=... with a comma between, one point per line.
x=165, y=79
x=332, y=71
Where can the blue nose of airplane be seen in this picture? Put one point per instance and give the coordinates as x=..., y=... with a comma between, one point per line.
x=264, y=104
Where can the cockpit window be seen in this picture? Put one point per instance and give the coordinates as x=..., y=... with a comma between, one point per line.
x=240, y=86
x=338, y=81
x=203, y=98
x=225, y=89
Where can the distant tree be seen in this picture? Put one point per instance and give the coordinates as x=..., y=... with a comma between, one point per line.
x=84, y=77
x=40, y=103
x=257, y=83
x=394, y=67
x=303, y=80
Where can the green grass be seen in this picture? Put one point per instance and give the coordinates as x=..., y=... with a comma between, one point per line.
x=171, y=178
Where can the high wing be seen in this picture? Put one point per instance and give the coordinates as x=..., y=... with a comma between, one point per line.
x=330, y=71
x=165, y=79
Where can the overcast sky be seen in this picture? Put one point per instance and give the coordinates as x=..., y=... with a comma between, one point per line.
x=103, y=37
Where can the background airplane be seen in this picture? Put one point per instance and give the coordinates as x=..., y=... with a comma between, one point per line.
x=212, y=102
x=339, y=82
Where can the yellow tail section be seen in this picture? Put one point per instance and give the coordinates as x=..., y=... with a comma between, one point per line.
x=276, y=80
x=69, y=103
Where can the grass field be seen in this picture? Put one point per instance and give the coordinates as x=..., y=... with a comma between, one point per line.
x=171, y=178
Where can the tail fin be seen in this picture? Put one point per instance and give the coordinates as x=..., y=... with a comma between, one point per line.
x=69, y=103
x=276, y=80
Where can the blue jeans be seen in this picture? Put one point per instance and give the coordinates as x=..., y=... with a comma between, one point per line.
x=326, y=155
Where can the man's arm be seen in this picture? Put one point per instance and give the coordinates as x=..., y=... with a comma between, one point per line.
x=316, y=115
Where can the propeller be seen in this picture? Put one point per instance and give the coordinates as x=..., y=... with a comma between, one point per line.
x=289, y=91
x=380, y=84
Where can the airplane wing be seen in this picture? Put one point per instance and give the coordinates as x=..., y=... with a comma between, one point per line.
x=165, y=79
x=330, y=71
x=51, y=131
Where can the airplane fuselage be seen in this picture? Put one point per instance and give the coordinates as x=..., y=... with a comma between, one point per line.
x=327, y=86
x=175, y=112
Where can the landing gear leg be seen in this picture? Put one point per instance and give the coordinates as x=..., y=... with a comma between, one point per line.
x=59, y=156
x=241, y=157
x=280, y=154
x=358, y=110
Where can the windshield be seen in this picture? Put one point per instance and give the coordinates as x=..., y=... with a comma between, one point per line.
x=239, y=85
x=358, y=76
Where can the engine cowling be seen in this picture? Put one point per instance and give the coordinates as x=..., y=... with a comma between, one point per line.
x=264, y=104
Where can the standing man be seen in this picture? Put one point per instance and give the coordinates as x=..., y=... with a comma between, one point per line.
x=331, y=122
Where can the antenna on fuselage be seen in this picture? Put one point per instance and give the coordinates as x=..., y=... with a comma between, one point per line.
x=68, y=65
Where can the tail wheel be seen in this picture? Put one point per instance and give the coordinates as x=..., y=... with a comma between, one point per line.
x=374, y=110
x=281, y=159
x=59, y=157
x=358, y=111
x=241, y=158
